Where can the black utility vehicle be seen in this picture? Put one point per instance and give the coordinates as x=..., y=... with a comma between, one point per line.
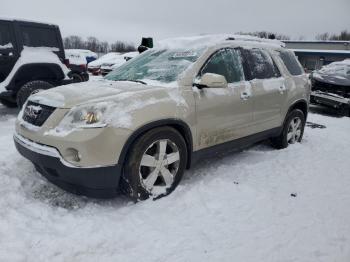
x=20, y=78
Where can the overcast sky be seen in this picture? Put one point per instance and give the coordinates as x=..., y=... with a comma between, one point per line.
x=131, y=19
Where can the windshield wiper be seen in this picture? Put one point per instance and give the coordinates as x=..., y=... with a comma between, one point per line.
x=132, y=80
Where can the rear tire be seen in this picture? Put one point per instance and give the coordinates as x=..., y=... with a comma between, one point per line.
x=77, y=78
x=293, y=130
x=155, y=164
x=344, y=110
x=29, y=89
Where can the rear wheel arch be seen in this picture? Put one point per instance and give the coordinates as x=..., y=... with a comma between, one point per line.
x=178, y=125
x=301, y=105
x=40, y=71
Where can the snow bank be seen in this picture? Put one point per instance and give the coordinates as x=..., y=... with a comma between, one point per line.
x=238, y=207
x=34, y=55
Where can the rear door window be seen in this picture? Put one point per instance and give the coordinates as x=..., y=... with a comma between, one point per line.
x=226, y=62
x=39, y=36
x=5, y=36
x=291, y=62
x=259, y=64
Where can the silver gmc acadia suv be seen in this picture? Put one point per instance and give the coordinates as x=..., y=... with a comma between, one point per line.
x=139, y=128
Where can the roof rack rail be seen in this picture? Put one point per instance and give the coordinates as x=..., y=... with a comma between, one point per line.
x=255, y=39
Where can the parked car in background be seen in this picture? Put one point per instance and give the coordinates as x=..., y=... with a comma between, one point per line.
x=32, y=58
x=331, y=86
x=77, y=65
x=95, y=66
x=116, y=62
x=130, y=55
x=154, y=116
x=87, y=54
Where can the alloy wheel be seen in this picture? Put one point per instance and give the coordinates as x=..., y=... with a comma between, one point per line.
x=294, y=130
x=159, y=166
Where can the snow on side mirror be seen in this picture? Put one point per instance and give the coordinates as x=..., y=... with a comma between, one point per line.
x=210, y=80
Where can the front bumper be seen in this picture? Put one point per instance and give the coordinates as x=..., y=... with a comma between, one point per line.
x=97, y=182
x=94, y=70
x=329, y=99
x=105, y=71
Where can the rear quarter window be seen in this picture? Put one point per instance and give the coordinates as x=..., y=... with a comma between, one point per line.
x=259, y=64
x=33, y=36
x=5, y=36
x=291, y=62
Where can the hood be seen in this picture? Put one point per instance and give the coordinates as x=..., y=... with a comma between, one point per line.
x=337, y=73
x=332, y=78
x=104, y=59
x=74, y=94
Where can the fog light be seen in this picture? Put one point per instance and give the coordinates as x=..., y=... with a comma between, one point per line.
x=72, y=155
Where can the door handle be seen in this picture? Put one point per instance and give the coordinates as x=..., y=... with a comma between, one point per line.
x=245, y=95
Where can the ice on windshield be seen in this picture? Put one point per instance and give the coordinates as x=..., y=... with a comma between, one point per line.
x=163, y=66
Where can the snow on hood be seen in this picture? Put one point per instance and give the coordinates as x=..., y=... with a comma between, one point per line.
x=337, y=73
x=104, y=59
x=75, y=58
x=131, y=54
x=34, y=55
x=117, y=60
x=94, y=91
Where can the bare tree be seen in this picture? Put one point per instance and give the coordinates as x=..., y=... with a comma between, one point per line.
x=73, y=42
x=324, y=36
x=122, y=47
x=93, y=44
x=344, y=36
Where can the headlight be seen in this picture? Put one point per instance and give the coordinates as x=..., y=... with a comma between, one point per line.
x=85, y=116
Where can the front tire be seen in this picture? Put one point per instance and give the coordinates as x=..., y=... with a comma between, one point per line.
x=29, y=89
x=293, y=130
x=155, y=164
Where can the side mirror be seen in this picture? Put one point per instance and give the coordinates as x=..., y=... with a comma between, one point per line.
x=210, y=80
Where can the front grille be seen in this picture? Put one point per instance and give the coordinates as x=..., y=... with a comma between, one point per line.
x=36, y=114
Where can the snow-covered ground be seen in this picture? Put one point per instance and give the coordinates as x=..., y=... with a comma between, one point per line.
x=233, y=208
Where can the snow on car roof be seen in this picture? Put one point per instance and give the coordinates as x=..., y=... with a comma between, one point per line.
x=212, y=40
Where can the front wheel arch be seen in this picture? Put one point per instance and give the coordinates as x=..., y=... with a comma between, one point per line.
x=177, y=124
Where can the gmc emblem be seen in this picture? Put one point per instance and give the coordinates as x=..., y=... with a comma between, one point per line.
x=32, y=111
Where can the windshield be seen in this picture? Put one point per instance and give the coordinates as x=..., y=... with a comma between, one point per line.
x=163, y=66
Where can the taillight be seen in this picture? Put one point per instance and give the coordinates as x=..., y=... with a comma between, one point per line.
x=83, y=67
x=66, y=62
